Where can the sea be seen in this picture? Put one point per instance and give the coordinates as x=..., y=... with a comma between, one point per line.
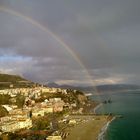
x=126, y=104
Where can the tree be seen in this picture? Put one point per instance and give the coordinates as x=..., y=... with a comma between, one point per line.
x=4, y=99
x=20, y=100
x=3, y=111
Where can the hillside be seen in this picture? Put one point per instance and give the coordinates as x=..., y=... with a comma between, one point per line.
x=17, y=81
x=10, y=78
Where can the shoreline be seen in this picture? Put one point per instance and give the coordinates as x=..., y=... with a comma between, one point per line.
x=88, y=129
x=94, y=127
x=101, y=135
x=97, y=107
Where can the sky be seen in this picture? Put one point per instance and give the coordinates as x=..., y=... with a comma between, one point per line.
x=75, y=42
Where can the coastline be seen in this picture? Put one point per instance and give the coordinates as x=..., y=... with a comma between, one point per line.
x=97, y=107
x=101, y=135
x=93, y=128
x=89, y=129
x=103, y=130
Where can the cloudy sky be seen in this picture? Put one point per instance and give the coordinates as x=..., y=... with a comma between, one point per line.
x=78, y=42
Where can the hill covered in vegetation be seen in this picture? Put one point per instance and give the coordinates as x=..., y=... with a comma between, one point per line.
x=10, y=78
x=7, y=80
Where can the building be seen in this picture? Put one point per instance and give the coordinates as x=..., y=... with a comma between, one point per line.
x=54, y=138
x=38, y=112
x=58, y=107
x=55, y=99
x=42, y=110
x=72, y=122
x=12, y=126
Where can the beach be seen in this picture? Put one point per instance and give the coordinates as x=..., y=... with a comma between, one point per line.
x=88, y=129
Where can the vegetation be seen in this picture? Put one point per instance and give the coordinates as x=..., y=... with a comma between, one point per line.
x=20, y=100
x=10, y=78
x=3, y=111
x=40, y=124
x=27, y=136
x=4, y=99
x=6, y=80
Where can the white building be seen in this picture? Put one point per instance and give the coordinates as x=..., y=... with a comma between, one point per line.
x=12, y=126
x=54, y=138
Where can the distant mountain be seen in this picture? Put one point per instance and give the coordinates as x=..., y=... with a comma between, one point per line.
x=52, y=84
x=117, y=87
x=99, y=88
x=17, y=81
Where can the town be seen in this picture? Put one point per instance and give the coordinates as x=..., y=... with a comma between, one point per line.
x=39, y=111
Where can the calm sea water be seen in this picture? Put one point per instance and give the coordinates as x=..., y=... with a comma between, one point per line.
x=128, y=105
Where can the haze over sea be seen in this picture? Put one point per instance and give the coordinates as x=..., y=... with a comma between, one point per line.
x=128, y=105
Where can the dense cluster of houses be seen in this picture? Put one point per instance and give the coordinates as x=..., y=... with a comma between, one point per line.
x=31, y=92
x=22, y=118
x=16, y=120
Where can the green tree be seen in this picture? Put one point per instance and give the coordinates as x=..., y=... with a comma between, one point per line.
x=4, y=99
x=20, y=100
x=40, y=124
x=3, y=111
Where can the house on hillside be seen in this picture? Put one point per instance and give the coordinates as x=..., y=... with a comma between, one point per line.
x=15, y=125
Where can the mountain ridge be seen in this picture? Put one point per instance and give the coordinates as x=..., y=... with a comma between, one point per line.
x=18, y=81
x=100, y=88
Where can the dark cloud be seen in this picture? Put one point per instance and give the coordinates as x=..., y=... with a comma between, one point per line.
x=104, y=35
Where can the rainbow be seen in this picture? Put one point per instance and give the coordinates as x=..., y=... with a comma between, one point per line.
x=54, y=36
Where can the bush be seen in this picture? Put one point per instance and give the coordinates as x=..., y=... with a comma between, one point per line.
x=3, y=111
